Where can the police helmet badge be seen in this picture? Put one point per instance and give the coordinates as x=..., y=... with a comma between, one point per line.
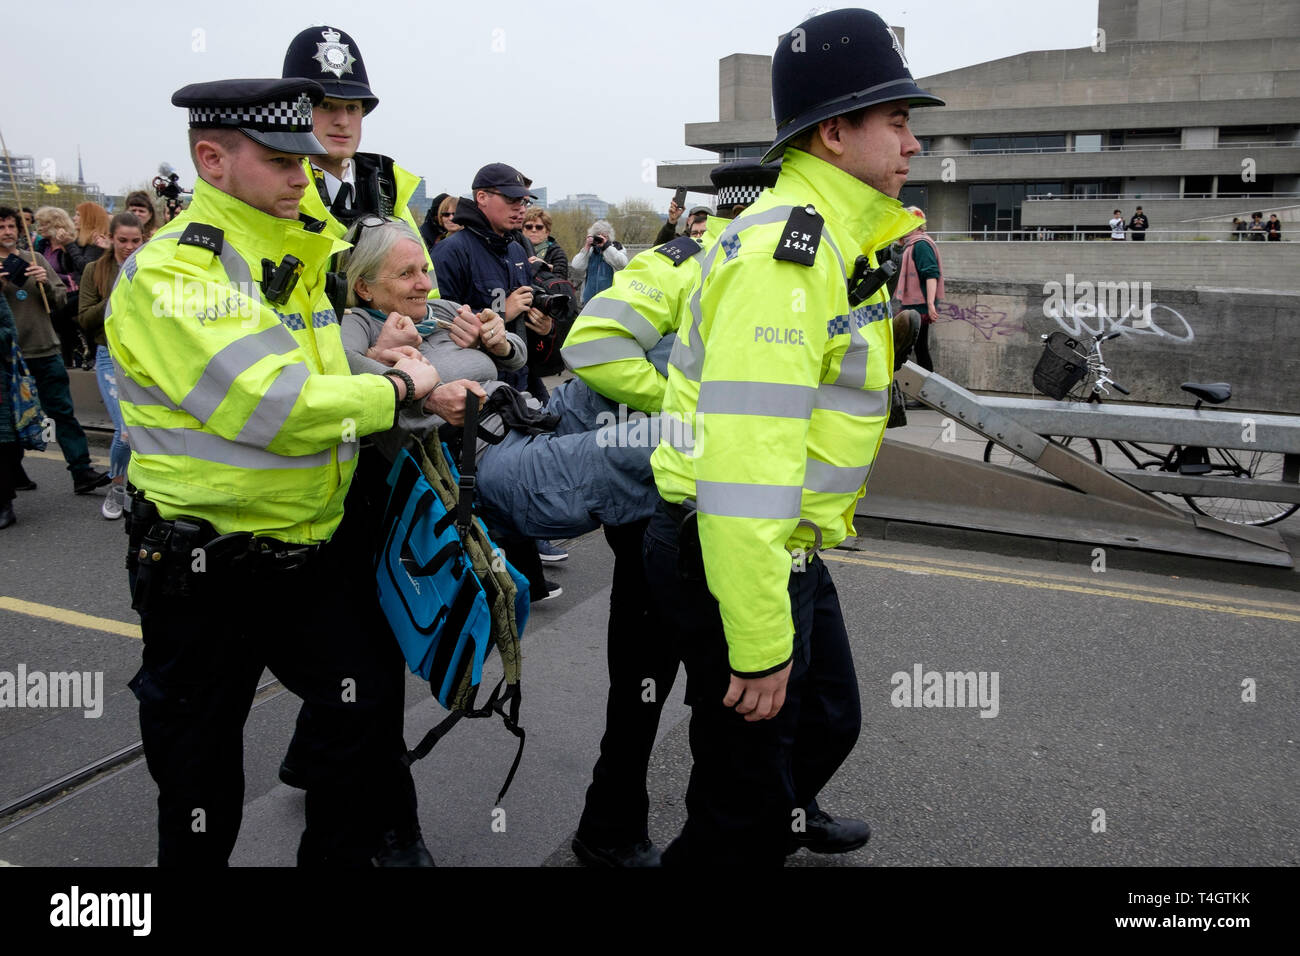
x=335, y=57
x=898, y=47
x=303, y=107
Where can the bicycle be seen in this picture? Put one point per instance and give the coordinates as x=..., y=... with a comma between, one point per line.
x=1070, y=370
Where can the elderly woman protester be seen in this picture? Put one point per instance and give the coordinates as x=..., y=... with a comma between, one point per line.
x=96, y=283
x=58, y=243
x=590, y=470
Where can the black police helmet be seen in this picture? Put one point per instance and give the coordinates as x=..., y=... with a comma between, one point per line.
x=331, y=58
x=836, y=63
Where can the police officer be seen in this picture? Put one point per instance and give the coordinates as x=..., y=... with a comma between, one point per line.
x=782, y=376
x=245, y=423
x=619, y=346
x=347, y=184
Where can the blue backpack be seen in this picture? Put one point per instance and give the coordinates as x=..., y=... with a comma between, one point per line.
x=448, y=592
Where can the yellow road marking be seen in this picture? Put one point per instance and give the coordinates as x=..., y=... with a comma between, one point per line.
x=1085, y=582
x=53, y=454
x=1074, y=588
x=75, y=618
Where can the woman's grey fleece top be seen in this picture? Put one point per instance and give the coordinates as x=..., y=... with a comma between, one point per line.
x=360, y=331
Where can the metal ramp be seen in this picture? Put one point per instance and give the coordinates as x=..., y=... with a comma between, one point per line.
x=1088, y=503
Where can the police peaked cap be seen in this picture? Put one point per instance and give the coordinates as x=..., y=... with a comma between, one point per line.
x=274, y=113
x=836, y=63
x=331, y=58
x=739, y=183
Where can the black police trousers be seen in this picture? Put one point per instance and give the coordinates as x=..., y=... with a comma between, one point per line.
x=642, y=665
x=319, y=630
x=751, y=782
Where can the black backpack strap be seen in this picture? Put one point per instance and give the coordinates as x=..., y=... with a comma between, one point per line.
x=506, y=704
x=465, y=502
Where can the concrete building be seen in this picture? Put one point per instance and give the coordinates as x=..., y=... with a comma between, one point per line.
x=1189, y=108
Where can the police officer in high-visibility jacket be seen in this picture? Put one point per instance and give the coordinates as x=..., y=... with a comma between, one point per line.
x=779, y=383
x=619, y=346
x=347, y=184
x=244, y=424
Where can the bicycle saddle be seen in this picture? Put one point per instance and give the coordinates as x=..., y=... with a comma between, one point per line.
x=1216, y=393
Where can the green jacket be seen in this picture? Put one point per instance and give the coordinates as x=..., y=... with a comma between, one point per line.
x=778, y=395
x=240, y=412
x=608, y=343
x=405, y=185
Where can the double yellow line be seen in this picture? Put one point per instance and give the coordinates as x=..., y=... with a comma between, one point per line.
x=1146, y=594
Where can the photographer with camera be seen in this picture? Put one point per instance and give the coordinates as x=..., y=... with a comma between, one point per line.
x=599, y=258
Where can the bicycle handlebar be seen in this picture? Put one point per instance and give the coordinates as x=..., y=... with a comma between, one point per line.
x=1120, y=388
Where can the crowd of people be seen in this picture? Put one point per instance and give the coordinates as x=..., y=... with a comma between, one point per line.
x=259, y=426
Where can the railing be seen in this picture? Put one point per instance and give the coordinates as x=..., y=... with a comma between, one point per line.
x=1151, y=197
x=1084, y=234
x=1136, y=147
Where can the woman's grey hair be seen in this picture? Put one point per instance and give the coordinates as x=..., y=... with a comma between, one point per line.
x=370, y=248
x=603, y=227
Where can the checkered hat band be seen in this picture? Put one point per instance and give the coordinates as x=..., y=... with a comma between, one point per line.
x=738, y=195
x=283, y=116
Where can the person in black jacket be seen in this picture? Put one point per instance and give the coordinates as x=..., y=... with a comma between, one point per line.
x=537, y=229
x=432, y=229
x=485, y=266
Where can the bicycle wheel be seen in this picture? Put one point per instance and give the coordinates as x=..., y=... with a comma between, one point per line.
x=1235, y=462
x=997, y=455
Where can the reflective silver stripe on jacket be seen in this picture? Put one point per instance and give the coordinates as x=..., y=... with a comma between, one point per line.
x=274, y=407
x=756, y=398
x=229, y=363
x=853, y=401
x=733, y=499
x=204, y=446
x=834, y=479
x=599, y=351
x=626, y=315
x=129, y=390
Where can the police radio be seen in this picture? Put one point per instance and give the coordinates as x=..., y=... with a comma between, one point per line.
x=278, y=281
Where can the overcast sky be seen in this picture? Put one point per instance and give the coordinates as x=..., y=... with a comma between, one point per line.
x=579, y=96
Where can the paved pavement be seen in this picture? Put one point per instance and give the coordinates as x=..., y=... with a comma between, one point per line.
x=1120, y=700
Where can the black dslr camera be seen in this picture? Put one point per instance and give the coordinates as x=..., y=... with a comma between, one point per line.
x=555, y=304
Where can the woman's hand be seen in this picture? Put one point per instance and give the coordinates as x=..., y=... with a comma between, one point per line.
x=447, y=400
x=493, y=334
x=539, y=322
x=101, y=240
x=398, y=330
x=393, y=356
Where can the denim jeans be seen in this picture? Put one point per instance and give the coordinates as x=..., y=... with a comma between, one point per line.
x=56, y=401
x=119, y=455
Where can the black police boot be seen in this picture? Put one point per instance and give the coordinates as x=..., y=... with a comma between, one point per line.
x=403, y=850
x=825, y=834
x=7, y=515
x=84, y=482
x=643, y=854
x=24, y=483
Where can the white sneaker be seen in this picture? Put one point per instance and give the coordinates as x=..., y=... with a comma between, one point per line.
x=113, y=499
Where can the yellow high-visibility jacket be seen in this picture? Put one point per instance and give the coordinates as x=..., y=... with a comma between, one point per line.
x=607, y=345
x=239, y=412
x=405, y=184
x=780, y=394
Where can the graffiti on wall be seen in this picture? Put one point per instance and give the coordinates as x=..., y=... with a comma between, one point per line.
x=988, y=322
x=1095, y=308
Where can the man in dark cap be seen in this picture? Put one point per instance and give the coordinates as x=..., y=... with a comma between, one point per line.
x=348, y=184
x=782, y=370
x=245, y=424
x=485, y=266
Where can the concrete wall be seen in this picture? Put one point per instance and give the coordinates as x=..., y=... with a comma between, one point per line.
x=1197, y=19
x=1254, y=266
x=1020, y=167
x=988, y=333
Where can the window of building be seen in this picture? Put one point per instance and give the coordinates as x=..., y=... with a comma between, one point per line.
x=1087, y=142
